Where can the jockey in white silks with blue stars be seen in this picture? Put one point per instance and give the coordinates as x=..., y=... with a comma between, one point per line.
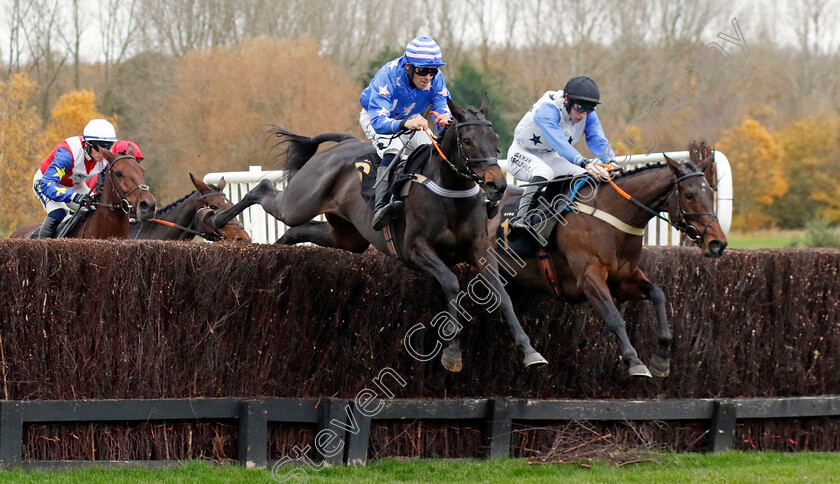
x=542, y=147
x=395, y=100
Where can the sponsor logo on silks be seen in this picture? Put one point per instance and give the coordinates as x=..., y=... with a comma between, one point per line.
x=79, y=177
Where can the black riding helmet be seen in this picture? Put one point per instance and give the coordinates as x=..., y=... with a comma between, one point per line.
x=582, y=90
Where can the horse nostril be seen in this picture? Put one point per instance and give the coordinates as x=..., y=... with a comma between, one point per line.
x=716, y=246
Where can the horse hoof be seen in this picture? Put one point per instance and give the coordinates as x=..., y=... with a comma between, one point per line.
x=534, y=360
x=660, y=367
x=451, y=360
x=640, y=371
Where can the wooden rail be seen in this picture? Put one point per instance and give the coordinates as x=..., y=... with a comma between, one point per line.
x=347, y=428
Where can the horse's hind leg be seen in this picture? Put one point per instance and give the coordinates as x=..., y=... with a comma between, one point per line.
x=636, y=287
x=593, y=283
x=264, y=194
x=333, y=234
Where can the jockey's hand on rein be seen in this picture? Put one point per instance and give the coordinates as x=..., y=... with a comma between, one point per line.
x=81, y=199
x=417, y=123
x=598, y=171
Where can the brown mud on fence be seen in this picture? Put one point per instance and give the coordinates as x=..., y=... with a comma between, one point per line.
x=102, y=319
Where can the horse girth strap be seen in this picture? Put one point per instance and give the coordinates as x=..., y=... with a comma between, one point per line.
x=609, y=218
x=439, y=190
x=547, y=270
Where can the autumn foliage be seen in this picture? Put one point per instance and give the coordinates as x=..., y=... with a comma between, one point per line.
x=757, y=171
x=214, y=119
x=18, y=125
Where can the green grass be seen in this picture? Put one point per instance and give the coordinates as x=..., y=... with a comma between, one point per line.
x=737, y=467
x=771, y=239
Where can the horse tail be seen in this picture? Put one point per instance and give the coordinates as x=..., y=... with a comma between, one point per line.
x=299, y=149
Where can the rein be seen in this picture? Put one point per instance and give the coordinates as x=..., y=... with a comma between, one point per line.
x=467, y=171
x=682, y=224
x=124, y=204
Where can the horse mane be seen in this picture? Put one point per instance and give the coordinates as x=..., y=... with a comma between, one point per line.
x=176, y=202
x=640, y=169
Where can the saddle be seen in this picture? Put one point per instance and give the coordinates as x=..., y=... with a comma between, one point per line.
x=400, y=175
x=558, y=195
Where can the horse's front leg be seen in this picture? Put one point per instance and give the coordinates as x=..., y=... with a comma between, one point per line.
x=424, y=256
x=593, y=283
x=531, y=357
x=264, y=194
x=636, y=287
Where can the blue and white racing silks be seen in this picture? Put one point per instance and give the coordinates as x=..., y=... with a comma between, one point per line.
x=390, y=99
x=548, y=126
x=65, y=170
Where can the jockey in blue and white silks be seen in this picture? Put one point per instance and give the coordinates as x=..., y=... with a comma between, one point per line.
x=403, y=89
x=542, y=147
x=61, y=177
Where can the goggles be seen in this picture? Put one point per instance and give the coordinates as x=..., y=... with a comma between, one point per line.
x=583, y=107
x=426, y=71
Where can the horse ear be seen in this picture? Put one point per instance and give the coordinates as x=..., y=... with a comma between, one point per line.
x=672, y=164
x=130, y=150
x=106, y=153
x=459, y=113
x=485, y=104
x=221, y=184
x=199, y=185
x=707, y=166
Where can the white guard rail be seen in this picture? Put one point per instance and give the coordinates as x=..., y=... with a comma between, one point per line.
x=265, y=229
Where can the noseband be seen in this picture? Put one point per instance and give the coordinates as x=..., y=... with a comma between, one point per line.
x=124, y=204
x=206, y=211
x=466, y=170
x=682, y=224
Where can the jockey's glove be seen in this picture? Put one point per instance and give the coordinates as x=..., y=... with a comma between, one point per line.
x=81, y=199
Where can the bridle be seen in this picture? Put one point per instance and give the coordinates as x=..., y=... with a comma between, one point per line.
x=213, y=235
x=682, y=224
x=205, y=211
x=466, y=171
x=124, y=204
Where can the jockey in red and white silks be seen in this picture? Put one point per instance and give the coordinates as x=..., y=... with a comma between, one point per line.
x=61, y=177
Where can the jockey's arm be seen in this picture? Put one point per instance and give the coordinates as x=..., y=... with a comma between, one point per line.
x=547, y=118
x=50, y=186
x=596, y=140
x=439, y=104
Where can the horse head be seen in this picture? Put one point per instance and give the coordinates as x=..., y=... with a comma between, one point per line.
x=125, y=185
x=213, y=200
x=691, y=206
x=476, y=146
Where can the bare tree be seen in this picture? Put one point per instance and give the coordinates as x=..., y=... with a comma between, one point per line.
x=118, y=27
x=42, y=29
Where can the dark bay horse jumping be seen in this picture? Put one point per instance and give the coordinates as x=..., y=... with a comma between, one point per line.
x=589, y=259
x=121, y=186
x=186, y=218
x=436, y=232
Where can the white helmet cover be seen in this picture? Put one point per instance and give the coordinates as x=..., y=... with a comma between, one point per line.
x=100, y=130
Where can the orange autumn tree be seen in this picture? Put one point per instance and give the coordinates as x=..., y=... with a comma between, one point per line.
x=222, y=98
x=68, y=118
x=757, y=174
x=18, y=161
x=812, y=163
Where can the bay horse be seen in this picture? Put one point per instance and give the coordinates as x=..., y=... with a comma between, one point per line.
x=589, y=259
x=436, y=232
x=186, y=218
x=121, y=186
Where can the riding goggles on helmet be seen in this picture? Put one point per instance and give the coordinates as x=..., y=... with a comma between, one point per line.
x=425, y=71
x=583, y=107
x=96, y=145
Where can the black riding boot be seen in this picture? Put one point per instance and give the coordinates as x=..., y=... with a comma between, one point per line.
x=48, y=228
x=526, y=203
x=383, y=209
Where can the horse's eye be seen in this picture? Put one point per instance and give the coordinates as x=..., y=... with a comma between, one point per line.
x=468, y=142
x=118, y=174
x=689, y=196
x=214, y=207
